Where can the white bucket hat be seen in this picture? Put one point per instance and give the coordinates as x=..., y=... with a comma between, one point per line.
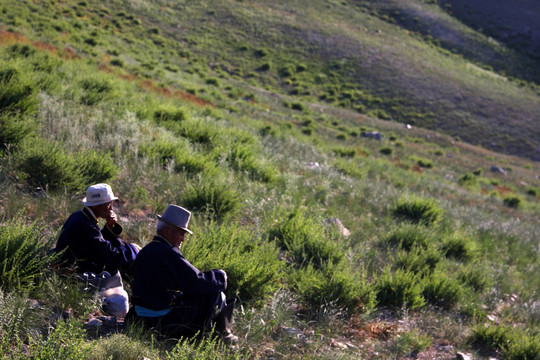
x=176, y=216
x=98, y=194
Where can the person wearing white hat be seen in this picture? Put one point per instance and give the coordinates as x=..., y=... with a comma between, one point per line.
x=170, y=294
x=91, y=249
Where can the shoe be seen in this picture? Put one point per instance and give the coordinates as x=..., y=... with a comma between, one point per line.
x=223, y=324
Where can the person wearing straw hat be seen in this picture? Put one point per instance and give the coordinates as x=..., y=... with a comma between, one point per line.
x=91, y=249
x=171, y=295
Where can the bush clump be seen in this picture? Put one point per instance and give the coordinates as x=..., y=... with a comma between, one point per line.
x=303, y=237
x=46, y=164
x=398, y=290
x=253, y=266
x=442, y=291
x=417, y=210
x=410, y=236
x=23, y=254
x=512, y=201
x=212, y=197
x=17, y=92
x=459, y=247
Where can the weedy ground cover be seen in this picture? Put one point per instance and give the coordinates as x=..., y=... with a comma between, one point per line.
x=259, y=184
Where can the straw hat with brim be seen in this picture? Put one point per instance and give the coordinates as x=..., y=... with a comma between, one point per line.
x=176, y=216
x=98, y=194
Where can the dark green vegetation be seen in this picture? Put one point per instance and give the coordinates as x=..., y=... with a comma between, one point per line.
x=261, y=118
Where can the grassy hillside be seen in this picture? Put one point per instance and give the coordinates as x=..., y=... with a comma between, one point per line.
x=262, y=119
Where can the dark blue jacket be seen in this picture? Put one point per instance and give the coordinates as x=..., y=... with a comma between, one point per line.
x=91, y=248
x=162, y=276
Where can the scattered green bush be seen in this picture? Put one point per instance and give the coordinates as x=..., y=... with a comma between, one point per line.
x=514, y=343
x=532, y=191
x=460, y=247
x=96, y=90
x=409, y=236
x=442, y=291
x=386, y=150
x=162, y=150
x=194, y=163
x=66, y=340
x=121, y=346
x=345, y=151
x=207, y=348
x=473, y=277
x=14, y=129
x=512, y=201
x=95, y=166
x=171, y=113
x=199, y=131
x=45, y=164
x=409, y=342
x=332, y=284
x=17, y=91
x=213, y=197
x=303, y=237
x=418, y=260
x=417, y=210
x=348, y=168
x=468, y=179
x=401, y=289
x=23, y=250
x=253, y=266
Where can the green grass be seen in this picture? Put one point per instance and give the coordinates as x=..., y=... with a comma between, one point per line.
x=168, y=102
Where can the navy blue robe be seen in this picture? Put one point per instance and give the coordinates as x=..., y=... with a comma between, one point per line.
x=164, y=279
x=92, y=249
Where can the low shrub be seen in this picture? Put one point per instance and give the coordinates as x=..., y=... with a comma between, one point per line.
x=460, y=247
x=17, y=91
x=418, y=260
x=532, y=191
x=212, y=197
x=171, y=113
x=334, y=284
x=417, y=210
x=305, y=240
x=23, y=254
x=474, y=277
x=161, y=150
x=409, y=342
x=194, y=163
x=45, y=164
x=344, y=151
x=199, y=131
x=65, y=340
x=120, y=346
x=398, y=290
x=16, y=321
x=468, y=179
x=252, y=265
x=96, y=90
x=208, y=348
x=513, y=342
x=386, y=151
x=512, y=201
x=441, y=291
x=410, y=236
x=13, y=130
x=348, y=168
x=95, y=166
